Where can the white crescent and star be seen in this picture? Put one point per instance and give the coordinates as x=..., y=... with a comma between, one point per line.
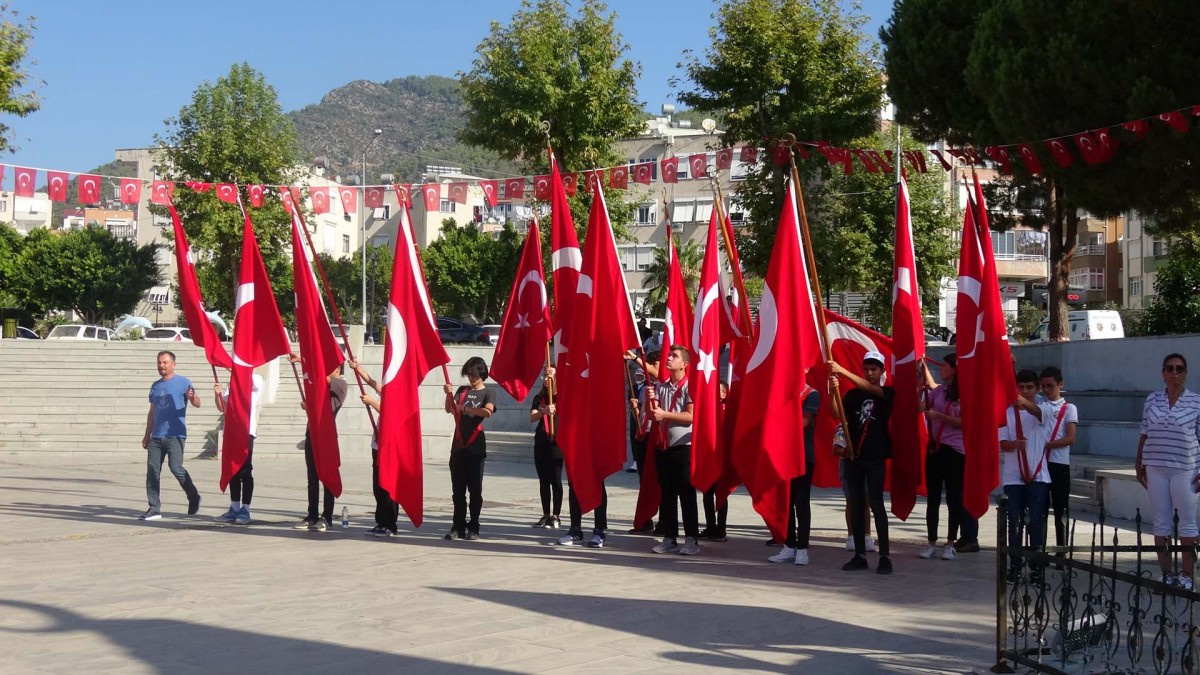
x=706, y=364
x=532, y=277
x=243, y=297
x=768, y=325
x=397, y=337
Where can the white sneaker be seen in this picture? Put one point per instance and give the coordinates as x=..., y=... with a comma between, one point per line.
x=928, y=552
x=570, y=540
x=849, y=543
x=690, y=547
x=668, y=545
x=1184, y=581
x=870, y=545
x=801, y=556
x=786, y=554
x=949, y=553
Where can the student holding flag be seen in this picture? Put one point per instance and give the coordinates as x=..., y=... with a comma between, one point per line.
x=470, y=405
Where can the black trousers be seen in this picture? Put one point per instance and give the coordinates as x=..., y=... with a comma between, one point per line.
x=639, y=452
x=675, y=478
x=864, y=478
x=1060, y=497
x=714, y=518
x=387, y=512
x=241, y=487
x=314, y=486
x=800, y=510
x=944, y=468
x=466, y=476
x=548, y=461
x=600, y=514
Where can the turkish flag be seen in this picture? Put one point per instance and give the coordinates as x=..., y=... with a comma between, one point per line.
x=131, y=191
x=708, y=462
x=198, y=186
x=916, y=159
x=162, y=192
x=1174, y=119
x=767, y=455
x=88, y=188
x=514, y=188
x=879, y=160
x=349, y=197
x=541, y=187
x=403, y=193
x=986, y=383
x=570, y=183
x=525, y=330
x=1000, y=155
x=566, y=258
x=591, y=373
x=1136, y=127
x=781, y=153
x=413, y=348
x=320, y=355
x=23, y=181
x=289, y=197
x=1089, y=147
x=491, y=191
x=677, y=319
x=255, y=194
x=319, y=196
x=458, y=193
x=670, y=170
x=1060, y=152
x=867, y=160
x=907, y=426
x=699, y=165
x=840, y=156
x=748, y=154
x=203, y=333
x=1032, y=163
x=941, y=158
x=724, y=159
x=432, y=195
x=594, y=179
x=259, y=338
x=373, y=197
x=56, y=185
x=1108, y=143
x=618, y=177
x=227, y=192
x=643, y=173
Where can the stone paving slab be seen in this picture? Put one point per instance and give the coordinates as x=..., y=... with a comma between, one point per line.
x=84, y=586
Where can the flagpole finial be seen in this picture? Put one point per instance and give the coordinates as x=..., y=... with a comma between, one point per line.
x=545, y=125
x=789, y=139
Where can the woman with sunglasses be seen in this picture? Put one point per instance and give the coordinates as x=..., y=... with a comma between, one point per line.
x=1167, y=457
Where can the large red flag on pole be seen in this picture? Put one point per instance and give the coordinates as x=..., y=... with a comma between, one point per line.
x=566, y=258
x=907, y=425
x=767, y=453
x=677, y=317
x=704, y=384
x=203, y=333
x=320, y=355
x=521, y=349
x=413, y=348
x=258, y=337
x=592, y=371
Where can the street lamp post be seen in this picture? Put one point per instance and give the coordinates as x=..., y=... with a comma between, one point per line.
x=363, y=222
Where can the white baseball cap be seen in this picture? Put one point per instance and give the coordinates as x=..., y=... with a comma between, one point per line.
x=874, y=356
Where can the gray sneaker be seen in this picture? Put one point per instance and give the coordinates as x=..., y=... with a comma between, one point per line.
x=668, y=545
x=690, y=547
x=243, y=516
x=597, y=540
x=321, y=525
x=150, y=514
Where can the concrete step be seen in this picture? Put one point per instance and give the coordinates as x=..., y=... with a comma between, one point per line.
x=1112, y=439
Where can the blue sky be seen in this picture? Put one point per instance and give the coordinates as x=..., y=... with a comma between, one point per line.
x=109, y=73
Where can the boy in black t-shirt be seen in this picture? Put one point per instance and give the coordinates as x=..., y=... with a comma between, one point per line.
x=868, y=410
x=470, y=405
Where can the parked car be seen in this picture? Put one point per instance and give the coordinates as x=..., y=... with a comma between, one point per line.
x=170, y=334
x=80, y=332
x=24, y=333
x=454, y=330
x=1088, y=324
x=493, y=332
x=932, y=340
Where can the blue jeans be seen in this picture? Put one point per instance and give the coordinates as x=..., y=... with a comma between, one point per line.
x=1026, y=502
x=170, y=449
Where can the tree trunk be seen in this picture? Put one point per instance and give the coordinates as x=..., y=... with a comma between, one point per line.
x=1063, y=228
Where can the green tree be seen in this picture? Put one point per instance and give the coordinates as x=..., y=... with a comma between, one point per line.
x=658, y=275
x=88, y=271
x=469, y=272
x=15, y=34
x=11, y=243
x=1177, y=287
x=777, y=67
x=548, y=65
x=233, y=131
x=345, y=282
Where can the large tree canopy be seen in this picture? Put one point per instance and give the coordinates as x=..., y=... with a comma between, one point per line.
x=15, y=33
x=469, y=272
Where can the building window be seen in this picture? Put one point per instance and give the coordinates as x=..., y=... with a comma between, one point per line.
x=636, y=257
x=446, y=206
x=1135, y=286
x=345, y=243
x=683, y=167
x=1091, y=278
x=1158, y=249
x=1019, y=245
x=646, y=215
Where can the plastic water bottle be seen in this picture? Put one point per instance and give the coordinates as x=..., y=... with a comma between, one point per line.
x=345, y=517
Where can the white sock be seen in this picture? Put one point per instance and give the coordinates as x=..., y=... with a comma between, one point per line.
x=235, y=506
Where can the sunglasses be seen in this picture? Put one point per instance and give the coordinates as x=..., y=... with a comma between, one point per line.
x=1174, y=369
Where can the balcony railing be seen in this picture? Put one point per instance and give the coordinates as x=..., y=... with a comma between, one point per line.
x=1091, y=249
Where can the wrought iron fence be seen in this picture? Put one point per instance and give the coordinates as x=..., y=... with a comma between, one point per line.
x=1098, y=607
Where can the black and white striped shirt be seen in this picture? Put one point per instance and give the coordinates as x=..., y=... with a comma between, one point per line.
x=1172, y=433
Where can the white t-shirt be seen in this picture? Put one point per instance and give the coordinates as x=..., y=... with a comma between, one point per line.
x=1035, y=433
x=1061, y=455
x=256, y=387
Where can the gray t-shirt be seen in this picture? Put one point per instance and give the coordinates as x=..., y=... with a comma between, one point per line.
x=675, y=398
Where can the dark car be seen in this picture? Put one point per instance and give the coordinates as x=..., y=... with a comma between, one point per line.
x=454, y=330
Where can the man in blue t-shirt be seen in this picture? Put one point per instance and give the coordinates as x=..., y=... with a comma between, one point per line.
x=166, y=431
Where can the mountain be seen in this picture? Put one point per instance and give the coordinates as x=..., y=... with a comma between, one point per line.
x=420, y=118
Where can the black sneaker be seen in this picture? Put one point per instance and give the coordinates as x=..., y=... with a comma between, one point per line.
x=658, y=530
x=718, y=535
x=385, y=532
x=374, y=531
x=150, y=514
x=471, y=535
x=193, y=504
x=772, y=542
x=306, y=524
x=648, y=528
x=554, y=523
x=884, y=566
x=543, y=522
x=857, y=563
x=706, y=533
x=453, y=535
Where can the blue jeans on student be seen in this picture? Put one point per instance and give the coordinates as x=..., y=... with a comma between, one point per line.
x=1026, y=502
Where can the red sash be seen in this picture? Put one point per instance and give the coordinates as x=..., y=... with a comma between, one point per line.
x=662, y=442
x=458, y=429
x=1062, y=412
x=1023, y=453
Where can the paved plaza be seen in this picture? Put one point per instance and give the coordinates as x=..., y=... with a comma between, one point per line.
x=86, y=587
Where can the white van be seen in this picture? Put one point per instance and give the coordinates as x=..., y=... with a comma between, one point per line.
x=1091, y=324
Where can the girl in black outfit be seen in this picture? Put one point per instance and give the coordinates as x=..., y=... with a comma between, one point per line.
x=470, y=405
x=547, y=457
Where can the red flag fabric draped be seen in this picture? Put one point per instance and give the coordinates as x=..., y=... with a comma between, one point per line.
x=521, y=348
x=258, y=338
x=413, y=348
x=23, y=181
x=766, y=453
x=592, y=371
x=320, y=355
x=907, y=425
x=203, y=333
x=566, y=258
x=986, y=382
x=87, y=187
x=56, y=185
x=708, y=462
x=677, y=319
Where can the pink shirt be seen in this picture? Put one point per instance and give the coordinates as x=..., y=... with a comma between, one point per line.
x=943, y=433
